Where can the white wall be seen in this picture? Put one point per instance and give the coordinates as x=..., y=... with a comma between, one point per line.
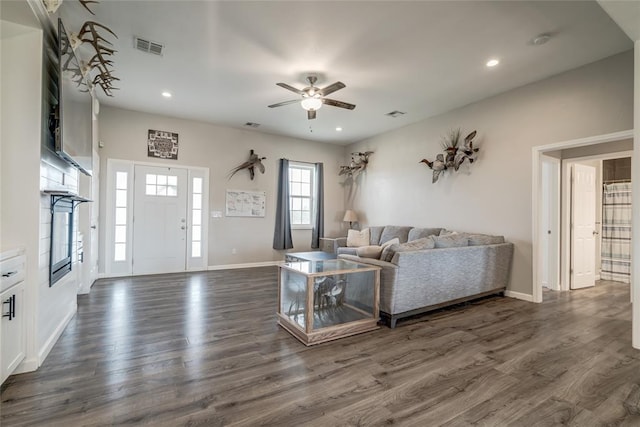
x=20, y=83
x=494, y=194
x=124, y=135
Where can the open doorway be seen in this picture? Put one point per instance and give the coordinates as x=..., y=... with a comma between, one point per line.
x=596, y=218
x=597, y=146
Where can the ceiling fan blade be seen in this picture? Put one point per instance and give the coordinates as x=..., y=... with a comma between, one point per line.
x=311, y=114
x=340, y=104
x=280, y=104
x=332, y=88
x=291, y=88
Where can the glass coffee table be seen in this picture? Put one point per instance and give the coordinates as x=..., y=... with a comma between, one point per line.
x=320, y=301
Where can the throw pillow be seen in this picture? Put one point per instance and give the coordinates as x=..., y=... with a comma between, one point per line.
x=372, y=251
x=415, y=245
x=391, y=231
x=385, y=248
x=451, y=241
x=418, y=233
x=357, y=238
x=484, y=239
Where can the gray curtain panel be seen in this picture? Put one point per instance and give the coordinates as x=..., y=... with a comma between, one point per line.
x=282, y=233
x=318, y=227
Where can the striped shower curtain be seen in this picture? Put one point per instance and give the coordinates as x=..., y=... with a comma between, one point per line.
x=616, y=232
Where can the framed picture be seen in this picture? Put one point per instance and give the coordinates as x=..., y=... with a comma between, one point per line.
x=246, y=203
x=162, y=144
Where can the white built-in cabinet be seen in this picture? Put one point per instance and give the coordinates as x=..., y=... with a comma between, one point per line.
x=12, y=332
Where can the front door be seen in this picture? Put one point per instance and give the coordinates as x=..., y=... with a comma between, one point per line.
x=160, y=220
x=583, y=219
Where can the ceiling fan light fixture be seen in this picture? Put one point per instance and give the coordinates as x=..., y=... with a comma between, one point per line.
x=311, y=104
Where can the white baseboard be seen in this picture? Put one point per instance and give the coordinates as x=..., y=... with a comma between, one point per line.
x=27, y=365
x=46, y=348
x=518, y=295
x=245, y=265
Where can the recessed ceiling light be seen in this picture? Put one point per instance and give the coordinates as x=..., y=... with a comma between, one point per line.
x=492, y=62
x=166, y=94
x=338, y=129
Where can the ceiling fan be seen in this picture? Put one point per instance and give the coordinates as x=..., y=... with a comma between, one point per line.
x=313, y=97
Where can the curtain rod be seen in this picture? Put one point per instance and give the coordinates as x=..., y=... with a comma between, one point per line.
x=300, y=161
x=614, y=181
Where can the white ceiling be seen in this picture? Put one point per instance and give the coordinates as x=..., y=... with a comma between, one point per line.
x=222, y=59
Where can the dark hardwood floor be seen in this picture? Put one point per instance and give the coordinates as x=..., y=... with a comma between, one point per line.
x=204, y=349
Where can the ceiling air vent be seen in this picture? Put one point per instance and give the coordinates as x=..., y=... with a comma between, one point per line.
x=148, y=46
x=395, y=114
x=252, y=125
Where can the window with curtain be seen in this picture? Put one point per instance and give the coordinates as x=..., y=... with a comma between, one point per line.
x=302, y=191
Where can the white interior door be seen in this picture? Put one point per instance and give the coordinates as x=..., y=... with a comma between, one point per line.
x=159, y=220
x=583, y=219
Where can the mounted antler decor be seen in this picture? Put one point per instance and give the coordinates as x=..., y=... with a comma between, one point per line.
x=90, y=33
x=255, y=161
x=453, y=155
x=359, y=161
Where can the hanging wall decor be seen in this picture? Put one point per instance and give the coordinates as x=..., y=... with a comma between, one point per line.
x=98, y=70
x=454, y=155
x=255, y=161
x=163, y=145
x=359, y=162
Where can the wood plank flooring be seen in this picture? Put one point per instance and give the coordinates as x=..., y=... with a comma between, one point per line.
x=205, y=349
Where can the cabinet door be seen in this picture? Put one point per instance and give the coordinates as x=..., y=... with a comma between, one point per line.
x=13, y=343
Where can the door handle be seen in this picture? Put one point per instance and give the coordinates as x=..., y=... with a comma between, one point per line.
x=595, y=232
x=183, y=228
x=93, y=227
x=12, y=307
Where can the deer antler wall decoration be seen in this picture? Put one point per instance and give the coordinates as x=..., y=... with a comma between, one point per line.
x=90, y=33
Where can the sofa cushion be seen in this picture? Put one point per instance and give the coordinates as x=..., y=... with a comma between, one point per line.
x=357, y=238
x=371, y=251
x=419, y=233
x=374, y=235
x=391, y=231
x=347, y=251
x=445, y=232
x=414, y=245
x=451, y=241
x=484, y=239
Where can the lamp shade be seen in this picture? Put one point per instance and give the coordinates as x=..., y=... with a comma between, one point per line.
x=350, y=216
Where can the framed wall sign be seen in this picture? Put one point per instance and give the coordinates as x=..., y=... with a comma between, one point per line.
x=162, y=144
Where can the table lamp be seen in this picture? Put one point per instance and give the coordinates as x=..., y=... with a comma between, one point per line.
x=350, y=216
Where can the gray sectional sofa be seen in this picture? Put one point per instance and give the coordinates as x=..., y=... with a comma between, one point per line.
x=426, y=271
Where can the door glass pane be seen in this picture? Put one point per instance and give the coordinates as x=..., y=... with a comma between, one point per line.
x=172, y=180
x=162, y=190
x=121, y=180
x=197, y=185
x=162, y=180
x=196, y=217
x=121, y=198
x=195, y=232
x=172, y=190
x=151, y=179
x=197, y=201
x=120, y=252
x=196, y=250
x=121, y=216
x=121, y=234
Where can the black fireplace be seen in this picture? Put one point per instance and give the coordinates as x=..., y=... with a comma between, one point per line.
x=61, y=250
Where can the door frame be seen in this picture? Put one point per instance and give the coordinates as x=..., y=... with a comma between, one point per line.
x=536, y=198
x=565, y=197
x=125, y=268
